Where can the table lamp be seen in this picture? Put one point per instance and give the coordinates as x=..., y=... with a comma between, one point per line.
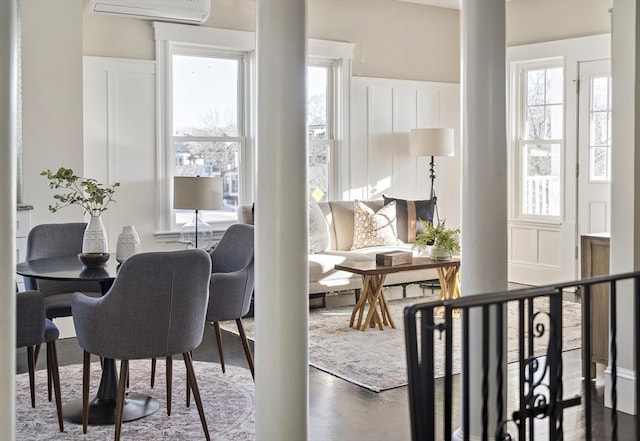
x=197, y=193
x=431, y=142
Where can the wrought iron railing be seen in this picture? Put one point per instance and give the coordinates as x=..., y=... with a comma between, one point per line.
x=537, y=412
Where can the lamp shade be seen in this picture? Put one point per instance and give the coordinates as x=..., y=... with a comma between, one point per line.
x=197, y=193
x=431, y=142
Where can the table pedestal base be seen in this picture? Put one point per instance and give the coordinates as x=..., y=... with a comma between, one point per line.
x=103, y=411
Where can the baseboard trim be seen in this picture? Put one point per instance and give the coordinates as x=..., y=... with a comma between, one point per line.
x=626, y=380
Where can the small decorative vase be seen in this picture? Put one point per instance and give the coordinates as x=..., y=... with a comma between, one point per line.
x=95, y=237
x=128, y=243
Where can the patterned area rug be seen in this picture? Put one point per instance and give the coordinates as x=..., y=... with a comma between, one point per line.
x=376, y=359
x=228, y=401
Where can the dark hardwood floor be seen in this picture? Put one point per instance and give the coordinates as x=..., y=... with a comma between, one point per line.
x=342, y=411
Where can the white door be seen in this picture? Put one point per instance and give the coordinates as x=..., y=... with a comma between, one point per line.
x=594, y=147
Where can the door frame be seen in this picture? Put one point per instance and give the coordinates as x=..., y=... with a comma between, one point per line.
x=540, y=251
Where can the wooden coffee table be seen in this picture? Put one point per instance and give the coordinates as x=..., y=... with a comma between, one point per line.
x=373, y=277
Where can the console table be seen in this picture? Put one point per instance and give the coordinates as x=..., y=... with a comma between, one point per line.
x=373, y=277
x=595, y=262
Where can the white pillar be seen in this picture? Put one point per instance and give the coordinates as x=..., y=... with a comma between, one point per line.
x=625, y=190
x=484, y=179
x=8, y=109
x=281, y=300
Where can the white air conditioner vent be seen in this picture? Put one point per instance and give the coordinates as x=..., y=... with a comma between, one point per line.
x=189, y=11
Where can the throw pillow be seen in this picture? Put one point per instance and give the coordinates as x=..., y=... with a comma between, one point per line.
x=408, y=214
x=319, y=240
x=371, y=229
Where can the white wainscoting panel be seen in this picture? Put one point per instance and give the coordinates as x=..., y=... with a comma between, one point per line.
x=120, y=142
x=598, y=217
x=383, y=111
x=536, y=253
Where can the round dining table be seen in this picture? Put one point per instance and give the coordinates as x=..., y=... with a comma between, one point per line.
x=102, y=407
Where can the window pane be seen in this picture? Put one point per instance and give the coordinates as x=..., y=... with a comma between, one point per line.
x=317, y=104
x=535, y=87
x=211, y=159
x=553, y=122
x=600, y=163
x=541, y=179
x=599, y=129
x=600, y=93
x=554, y=86
x=535, y=128
x=319, y=156
x=205, y=96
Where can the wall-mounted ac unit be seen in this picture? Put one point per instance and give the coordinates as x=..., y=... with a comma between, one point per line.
x=189, y=11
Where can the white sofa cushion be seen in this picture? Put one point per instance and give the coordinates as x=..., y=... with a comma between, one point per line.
x=319, y=240
x=374, y=228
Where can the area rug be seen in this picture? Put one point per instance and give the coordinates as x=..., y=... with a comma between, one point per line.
x=228, y=401
x=376, y=359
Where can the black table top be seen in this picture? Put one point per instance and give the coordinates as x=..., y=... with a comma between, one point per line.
x=67, y=268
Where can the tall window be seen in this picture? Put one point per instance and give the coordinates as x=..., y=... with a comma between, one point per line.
x=207, y=135
x=600, y=129
x=541, y=140
x=320, y=130
x=206, y=105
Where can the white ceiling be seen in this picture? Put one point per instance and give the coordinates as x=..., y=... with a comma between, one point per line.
x=451, y=4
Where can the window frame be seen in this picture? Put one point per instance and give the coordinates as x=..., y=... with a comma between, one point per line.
x=521, y=69
x=243, y=115
x=167, y=35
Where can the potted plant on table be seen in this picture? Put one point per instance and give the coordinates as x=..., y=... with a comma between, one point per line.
x=92, y=196
x=443, y=241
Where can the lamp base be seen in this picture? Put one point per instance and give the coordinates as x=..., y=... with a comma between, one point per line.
x=197, y=234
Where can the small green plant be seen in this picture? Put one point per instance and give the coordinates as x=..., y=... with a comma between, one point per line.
x=92, y=196
x=442, y=239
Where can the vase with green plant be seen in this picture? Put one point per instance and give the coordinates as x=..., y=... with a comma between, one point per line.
x=89, y=194
x=443, y=241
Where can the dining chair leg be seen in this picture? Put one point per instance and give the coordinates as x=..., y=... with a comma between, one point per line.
x=48, y=379
x=31, y=365
x=52, y=361
x=169, y=369
x=85, y=391
x=153, y=372
x=124, y=373
x=216, y=327
x=245, y=345
x=193, y=385
x=189, y=388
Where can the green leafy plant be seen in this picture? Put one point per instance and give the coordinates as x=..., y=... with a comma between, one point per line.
x=440, y=237
x=91, y=195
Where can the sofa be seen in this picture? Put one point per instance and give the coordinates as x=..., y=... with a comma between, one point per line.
x=339, y=217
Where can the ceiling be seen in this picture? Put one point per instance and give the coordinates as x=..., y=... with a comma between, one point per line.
x=451, y=4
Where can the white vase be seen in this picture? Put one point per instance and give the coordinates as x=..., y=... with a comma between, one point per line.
x=95, y=237
x=128, y=243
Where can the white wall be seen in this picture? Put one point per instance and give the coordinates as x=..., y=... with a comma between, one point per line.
x=52, y=99
x=120, y=141
x=534, y=21
x=393, y=39
x=382, y=114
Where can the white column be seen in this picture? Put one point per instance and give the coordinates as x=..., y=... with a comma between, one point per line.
x=484, y=179
x=8, y=109
x=281, y=300
x=625, y=190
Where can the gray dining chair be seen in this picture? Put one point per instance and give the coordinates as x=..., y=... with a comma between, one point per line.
x=231, y=285
x=33, y=329
x=52, y=240
x=230, y=288
x=155, y=308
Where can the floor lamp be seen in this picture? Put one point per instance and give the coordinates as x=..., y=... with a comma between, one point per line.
x=431, y=142
x=197, y=193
